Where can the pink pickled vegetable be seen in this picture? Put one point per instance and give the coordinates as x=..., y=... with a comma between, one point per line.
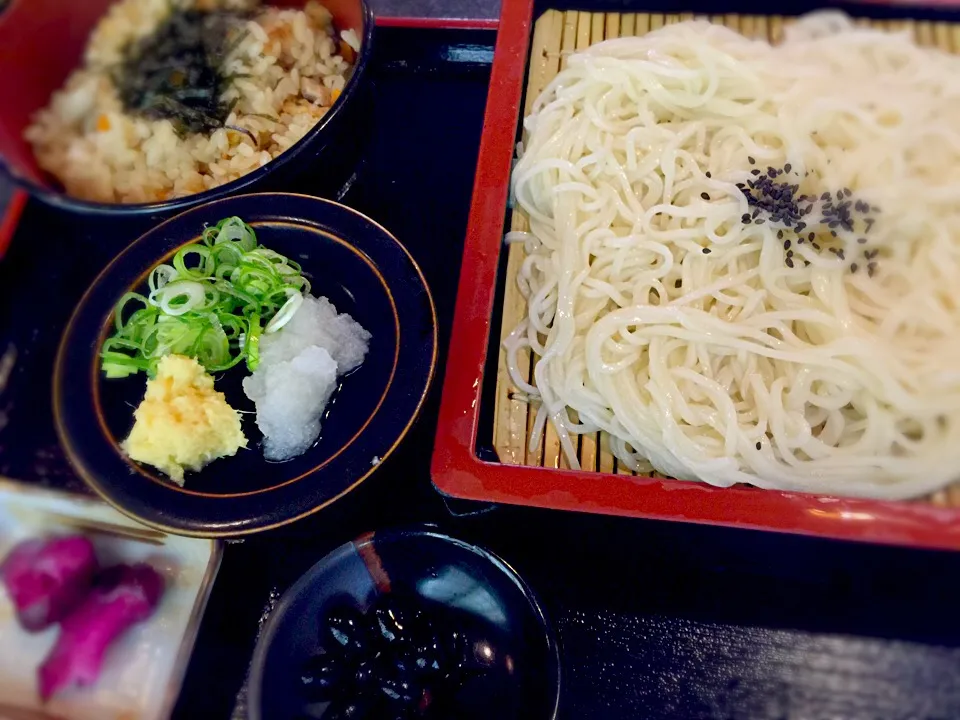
x=46, y=579
x=122, y=596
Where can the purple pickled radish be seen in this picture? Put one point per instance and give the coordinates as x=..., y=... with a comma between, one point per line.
x=121, y=597
x=46, y=579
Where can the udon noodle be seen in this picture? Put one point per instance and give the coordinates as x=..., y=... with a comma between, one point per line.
x=695, y=289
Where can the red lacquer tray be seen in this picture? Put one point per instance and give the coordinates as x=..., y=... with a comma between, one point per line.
x=459, y=471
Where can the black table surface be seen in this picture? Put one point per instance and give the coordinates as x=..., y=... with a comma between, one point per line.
x=655, y=620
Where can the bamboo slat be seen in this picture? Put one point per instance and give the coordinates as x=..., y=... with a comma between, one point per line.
x=511, y=424
x=556, y=35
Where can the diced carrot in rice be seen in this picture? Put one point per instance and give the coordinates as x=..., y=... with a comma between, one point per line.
x=194, y=183
x=347, y=52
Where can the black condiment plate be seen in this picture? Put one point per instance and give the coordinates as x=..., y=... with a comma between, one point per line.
x=353, y=262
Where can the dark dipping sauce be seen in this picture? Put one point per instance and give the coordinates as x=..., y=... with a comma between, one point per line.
x=176, y=72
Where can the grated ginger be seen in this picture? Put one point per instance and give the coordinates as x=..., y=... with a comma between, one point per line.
x=182, y=422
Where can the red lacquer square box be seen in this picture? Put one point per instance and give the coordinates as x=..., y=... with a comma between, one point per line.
x=463, y=469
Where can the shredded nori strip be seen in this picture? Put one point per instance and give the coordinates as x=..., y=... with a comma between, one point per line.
x=175, y=73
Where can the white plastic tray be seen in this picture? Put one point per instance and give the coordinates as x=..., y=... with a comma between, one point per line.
x=143, y=671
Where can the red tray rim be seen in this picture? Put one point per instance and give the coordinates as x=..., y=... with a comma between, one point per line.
x=10, y=219
x=437, y=23
x=456, y=469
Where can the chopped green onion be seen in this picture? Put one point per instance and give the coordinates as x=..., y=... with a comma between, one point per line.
x=285, y=313
x=204, y=270
x=180, y=296
x=212, y=302
x=251, y=342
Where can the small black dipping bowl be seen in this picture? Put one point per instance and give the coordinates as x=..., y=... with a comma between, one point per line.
x=495, y=607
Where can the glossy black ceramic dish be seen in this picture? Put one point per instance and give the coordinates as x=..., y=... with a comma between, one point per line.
x=495, y=607
x=352, y=261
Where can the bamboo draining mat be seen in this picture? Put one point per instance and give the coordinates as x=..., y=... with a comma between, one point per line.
x=557, y=34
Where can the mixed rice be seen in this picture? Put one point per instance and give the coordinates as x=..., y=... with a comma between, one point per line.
x=287, y=68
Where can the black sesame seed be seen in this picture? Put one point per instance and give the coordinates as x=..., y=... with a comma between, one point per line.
x=801, y=226
x=677, y=283
x=761, y=221
x=816, y=247
x=870, y=222
x=751, y=160
x=788, y=167
x=825, y=196
x=786, y=244
x=708, y=174
x=706, y=251
x=840, y=254
x=789, y=253
x=848, y=192
x=789, y=262
x=758, y=445
x=806, y=263
x=705, y=196
x=754, y=172
x=833, y=232
x=871, y=254
x=780, y=235
x=862, y=241
x=871, y=268
x=745, y=218
x=771, y=173
x=811, y=236
x=853, y=267
x=755, y=213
